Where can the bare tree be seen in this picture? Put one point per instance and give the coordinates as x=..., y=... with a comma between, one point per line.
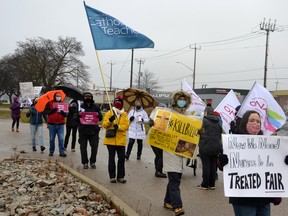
x=148, y=81
x=51, y=63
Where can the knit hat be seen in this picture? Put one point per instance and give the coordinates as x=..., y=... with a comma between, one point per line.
x=87, y=94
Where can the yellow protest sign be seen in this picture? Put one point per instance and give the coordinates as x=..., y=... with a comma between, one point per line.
x=174, y=132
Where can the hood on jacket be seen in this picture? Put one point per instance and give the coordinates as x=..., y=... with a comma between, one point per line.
x=180, y=93
x=73, y=101
x=213, y=118
x=15, y=99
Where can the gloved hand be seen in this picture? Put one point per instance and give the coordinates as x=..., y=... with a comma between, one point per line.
x=286, y=160
x=54, y=110
x=62, y=113
x=277, y=201
x=201, y=131
x=223, y=159
x=151, y=122
x=116, y=127
x=112, y=118
x=131, y=118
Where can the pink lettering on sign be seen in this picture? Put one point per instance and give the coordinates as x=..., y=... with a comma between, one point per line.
x=61, y=106
x=89, y=118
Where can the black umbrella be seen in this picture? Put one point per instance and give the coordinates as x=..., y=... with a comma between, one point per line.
x=70, y=91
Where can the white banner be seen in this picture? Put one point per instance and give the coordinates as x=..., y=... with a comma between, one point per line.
x=226, y=108
x=256, y=166
x=262, y=101
x=197, y=105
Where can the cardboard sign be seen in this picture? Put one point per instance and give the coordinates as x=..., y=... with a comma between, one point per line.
x=61, y=106
x=174, y=132
x=256, y=166
x=89, y=118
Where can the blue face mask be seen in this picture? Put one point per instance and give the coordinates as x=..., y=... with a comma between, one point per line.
x=181, y=103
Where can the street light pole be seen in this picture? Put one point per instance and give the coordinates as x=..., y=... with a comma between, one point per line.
x=193, y=75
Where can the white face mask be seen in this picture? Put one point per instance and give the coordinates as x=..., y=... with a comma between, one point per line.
x=58, y=99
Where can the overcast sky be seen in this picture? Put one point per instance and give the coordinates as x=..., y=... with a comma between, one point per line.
x=232, y=52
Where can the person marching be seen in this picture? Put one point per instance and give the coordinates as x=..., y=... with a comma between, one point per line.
x=250, y=206
x=210, y=146
x=174, y=164
x=36, y=125
x=116, y=123
x=137, y=117
x=71, y=124
x=15, y=113
x=89, y=132
x=56, y=121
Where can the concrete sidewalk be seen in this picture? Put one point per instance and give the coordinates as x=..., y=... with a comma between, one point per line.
x=143, y=192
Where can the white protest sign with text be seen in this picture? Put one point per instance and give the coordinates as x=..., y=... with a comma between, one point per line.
x=256, y=166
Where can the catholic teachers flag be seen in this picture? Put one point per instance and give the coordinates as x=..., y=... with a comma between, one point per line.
x=262, y=101
x=109, y=33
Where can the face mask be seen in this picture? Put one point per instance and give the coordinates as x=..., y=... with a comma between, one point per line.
x=118, y=105
x=58, y=99
x=88, y=100
x=138, y=107
x=181, y=103
x=253, y=128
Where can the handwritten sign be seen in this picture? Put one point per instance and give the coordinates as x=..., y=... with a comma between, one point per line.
x=26, y=89
x=61, y=106
x=256, y=166
x=89, y=118
x=174, y=132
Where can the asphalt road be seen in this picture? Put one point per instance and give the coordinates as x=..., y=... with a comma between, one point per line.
x=143, y=191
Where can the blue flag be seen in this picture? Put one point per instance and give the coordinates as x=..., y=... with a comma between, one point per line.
x=109, y=33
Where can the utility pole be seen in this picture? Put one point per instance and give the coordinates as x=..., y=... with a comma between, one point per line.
x=111, y=66
x=194, y=69
x=267, y=27
x=140, y=61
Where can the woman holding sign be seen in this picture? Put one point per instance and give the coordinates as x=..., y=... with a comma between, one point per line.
x=173, y=164
x=250, y=206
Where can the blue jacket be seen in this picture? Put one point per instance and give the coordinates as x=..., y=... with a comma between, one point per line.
x=35, y=116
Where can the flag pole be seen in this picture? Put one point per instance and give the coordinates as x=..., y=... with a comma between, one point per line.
x=132, y=61
x=98, y=60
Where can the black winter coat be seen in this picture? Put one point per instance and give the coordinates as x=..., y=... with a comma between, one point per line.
x=90, y=129
x=210, y=141
x=72, y=117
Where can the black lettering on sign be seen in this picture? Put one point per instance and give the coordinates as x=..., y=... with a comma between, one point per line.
x=273, y=181
x=249, y=181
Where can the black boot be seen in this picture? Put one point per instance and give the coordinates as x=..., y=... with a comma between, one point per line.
x=160, y=174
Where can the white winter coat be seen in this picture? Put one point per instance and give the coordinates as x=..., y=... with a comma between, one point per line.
x=172, y=162
x=137, y=127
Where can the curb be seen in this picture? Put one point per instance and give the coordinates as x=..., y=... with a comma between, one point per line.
x=120, y=205
x=109, y=196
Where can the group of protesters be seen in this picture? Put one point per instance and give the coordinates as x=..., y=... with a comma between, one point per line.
x=117, y=122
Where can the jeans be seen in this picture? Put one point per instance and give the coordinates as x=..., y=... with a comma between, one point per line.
x=33, y=130
x=59, y=131
x=112, y=149
x=93, y=141
x=173, y=194
x=208, y=170
x=248, y=210
x=130, y=146
x=68, y=132
x=158, y=160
